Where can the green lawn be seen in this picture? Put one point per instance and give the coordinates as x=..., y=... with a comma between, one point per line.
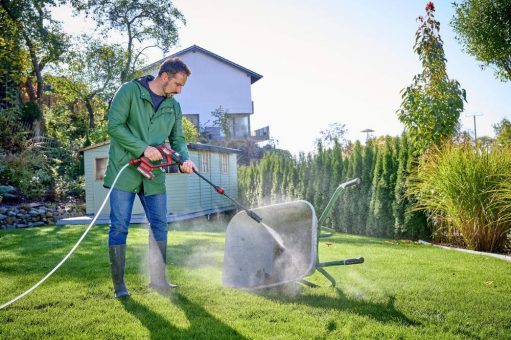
x=404, y=290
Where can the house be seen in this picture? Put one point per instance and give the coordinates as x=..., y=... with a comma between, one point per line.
x=188, y=195
x=216, y=84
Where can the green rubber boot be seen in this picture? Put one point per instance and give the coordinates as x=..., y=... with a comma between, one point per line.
x=117, y=262
x=157, y=262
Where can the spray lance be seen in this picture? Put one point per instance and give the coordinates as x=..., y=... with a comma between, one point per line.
x=145, y=167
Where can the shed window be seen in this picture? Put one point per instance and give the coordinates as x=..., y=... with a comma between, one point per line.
x=101, y=168
x=204, y=161
x=224, y=163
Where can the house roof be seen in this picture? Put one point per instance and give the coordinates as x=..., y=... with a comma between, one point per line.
x=194, y=48
x=191, y=146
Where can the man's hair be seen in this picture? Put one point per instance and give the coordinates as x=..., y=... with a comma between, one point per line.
x=173, y=66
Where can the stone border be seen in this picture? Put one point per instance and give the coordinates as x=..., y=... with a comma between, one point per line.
x=37, y=214
x=498, y=256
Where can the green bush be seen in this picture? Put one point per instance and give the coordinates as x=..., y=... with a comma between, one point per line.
x=462, y=188
x=30, y=112
x=43, y=173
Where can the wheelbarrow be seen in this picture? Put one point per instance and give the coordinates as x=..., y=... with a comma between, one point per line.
x=253, y=259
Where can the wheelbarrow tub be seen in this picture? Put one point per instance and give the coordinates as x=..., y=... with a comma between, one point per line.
x=252, y=257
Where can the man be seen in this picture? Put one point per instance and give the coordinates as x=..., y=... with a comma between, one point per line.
x=143, y=114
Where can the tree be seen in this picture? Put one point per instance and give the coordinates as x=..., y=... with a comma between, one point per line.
x=503, y=132
x=334, y=132
x=221, y=119
x=145, y=24
x=14, y=65
x=42, y=38
x=89, y=72
x=483, y=27
x=190, y=131
x=400, y=199
x=432, y=104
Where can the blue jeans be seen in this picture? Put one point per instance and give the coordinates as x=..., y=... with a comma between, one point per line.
x=121, y=206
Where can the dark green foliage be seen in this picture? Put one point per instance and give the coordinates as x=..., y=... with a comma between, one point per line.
x=7, y=192
x=43, y=173
x=41, y=38
x=365, y=209
x=381, y=220
x=503, y=132
x=337, y=176
x=30, y=112
x=409, y=222
x=483, y=27
x=400, y=199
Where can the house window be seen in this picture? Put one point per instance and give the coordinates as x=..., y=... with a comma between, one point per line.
x=224, y=163
x=239, y=126
x=204, y=161
x=101, y=168
x=194, y=119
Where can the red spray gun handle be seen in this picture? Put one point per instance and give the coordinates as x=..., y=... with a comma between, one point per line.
x=145, y=166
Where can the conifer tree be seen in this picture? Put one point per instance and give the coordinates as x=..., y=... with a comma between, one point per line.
x=415, y=223
x=353, y=195
x=337, y=178
x=374, y=204
x=400, y=199
x=368, y=163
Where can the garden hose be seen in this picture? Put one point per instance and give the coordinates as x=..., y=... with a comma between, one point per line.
x=72, y=250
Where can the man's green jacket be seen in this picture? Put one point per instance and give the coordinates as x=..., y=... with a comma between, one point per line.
x=133, y=125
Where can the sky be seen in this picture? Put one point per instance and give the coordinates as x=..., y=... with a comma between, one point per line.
x=330, y=61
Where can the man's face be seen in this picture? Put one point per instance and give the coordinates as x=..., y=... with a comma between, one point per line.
x=173, y=85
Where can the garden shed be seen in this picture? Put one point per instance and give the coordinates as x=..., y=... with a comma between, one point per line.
x=188, y=195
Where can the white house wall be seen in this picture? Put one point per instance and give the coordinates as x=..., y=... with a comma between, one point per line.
x=213, y=83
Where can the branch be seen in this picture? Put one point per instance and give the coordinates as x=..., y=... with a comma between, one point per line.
x=139, y=53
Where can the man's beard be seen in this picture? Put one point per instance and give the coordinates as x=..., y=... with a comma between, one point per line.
x=167, y=94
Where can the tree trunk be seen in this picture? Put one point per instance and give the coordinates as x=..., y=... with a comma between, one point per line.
x=90, y=110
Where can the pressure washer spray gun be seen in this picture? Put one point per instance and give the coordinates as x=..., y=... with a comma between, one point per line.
x=145, y=166
x=170, y=157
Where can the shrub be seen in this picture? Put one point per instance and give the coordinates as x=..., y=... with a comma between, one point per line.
x=7, y=192
x=41, y=173
x=462, y=190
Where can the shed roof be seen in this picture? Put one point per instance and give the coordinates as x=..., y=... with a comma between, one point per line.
x=191, y=146
x=194, y=48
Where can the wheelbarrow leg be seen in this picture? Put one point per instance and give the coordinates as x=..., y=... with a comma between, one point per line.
x=327, y=275
x=308, y=283
x=346, y=262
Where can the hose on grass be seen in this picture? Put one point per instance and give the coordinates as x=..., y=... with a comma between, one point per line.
x=28, y=291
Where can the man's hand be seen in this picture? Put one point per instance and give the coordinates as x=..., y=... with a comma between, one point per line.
x=187, y=167
x=152, y=153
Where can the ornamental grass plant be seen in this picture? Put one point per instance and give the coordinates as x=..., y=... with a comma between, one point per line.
x=466, y=192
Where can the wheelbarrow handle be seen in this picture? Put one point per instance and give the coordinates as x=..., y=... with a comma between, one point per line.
x=334, y=198
x=345, y=262
x=351, y=183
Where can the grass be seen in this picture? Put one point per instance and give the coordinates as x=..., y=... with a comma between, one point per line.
x=404, y=290
x=464, y=190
